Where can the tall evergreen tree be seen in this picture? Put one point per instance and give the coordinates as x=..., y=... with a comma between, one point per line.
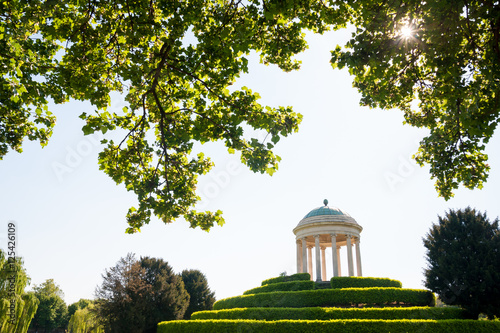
x=463, y=257
x=201, y=297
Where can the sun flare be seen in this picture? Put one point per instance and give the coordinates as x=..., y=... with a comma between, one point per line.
x=406, y=32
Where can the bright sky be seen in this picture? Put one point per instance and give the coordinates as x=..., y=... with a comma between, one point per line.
x=71, y=216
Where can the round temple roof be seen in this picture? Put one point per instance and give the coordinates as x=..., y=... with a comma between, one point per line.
x=326, y=214
x=325, y=210
x=324, y=222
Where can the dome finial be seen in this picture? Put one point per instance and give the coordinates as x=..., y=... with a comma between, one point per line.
x=325, y=202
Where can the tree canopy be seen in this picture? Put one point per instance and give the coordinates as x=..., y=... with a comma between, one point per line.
x=444, y=55
x=80, y=305
x=52, y=311
x=82, y=319
x=175, y=63
x=463, y=257
x=137, y=294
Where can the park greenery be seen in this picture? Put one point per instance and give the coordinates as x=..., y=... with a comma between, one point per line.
x=137, y=294
x=52, y=311
x=17, y=307
x=463, y=259
x=372, y=306
x=134, y=296
x=83, y=318
x=175, y=63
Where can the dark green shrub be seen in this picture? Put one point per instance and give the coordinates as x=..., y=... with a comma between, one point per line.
x=282, y=286
x=332, y=313
x=320, y=326
x=287, y=278
x=331, y=298
x=363, y=282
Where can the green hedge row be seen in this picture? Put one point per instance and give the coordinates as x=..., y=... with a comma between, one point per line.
x=363, y=282
x=287, y=278
x=331, y=298
x=332, y=313
x=282, y=286
x=345, y=326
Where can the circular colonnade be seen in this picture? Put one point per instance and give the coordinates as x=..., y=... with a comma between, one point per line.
x=322, y=228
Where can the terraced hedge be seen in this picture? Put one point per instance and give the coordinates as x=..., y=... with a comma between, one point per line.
x=332, y=313
x=363, y=282
x=282, y=286
x=287, y=278
x=320, y=326
x=331, y=298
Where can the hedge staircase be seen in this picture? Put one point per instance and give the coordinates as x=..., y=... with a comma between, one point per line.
x=351, y=304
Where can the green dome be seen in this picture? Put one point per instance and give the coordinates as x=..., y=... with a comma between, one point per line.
x=325, y=210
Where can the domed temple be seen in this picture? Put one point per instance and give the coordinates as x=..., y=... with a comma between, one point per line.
x=322, y=228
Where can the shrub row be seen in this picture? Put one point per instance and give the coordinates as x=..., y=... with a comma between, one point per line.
x=345, y=326
x=287, y=278
x=363, y=282
x=282, y=286
x=332, y=313
x=331, y=298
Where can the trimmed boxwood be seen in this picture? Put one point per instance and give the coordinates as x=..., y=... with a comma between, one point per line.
x=331, y=298
x=282, y=286
x=287, y=278
x=332, y=313
x=320, y=326
x=363, y=282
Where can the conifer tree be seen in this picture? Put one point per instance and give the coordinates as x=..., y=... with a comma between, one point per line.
x=201, y=297
x=463, y=256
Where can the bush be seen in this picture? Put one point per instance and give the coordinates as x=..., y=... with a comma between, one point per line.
x=282, y=286
x=331, y=298
x=345, y=326
x=332, y=313
x=363, y=282
x=287, y=278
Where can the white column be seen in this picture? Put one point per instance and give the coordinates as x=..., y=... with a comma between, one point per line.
x=334, y=255
x=358, y=256
x=349, y=255
x=323, y=263
x=304, y=255
x=318, y=258
x=299, y=256
x=310, y=261
x=338, y=261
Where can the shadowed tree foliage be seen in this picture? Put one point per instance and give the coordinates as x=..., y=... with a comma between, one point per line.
x=175, y=62
x=137, y=294
x=13, y=281
x=52, y=311
x=201, y=297
x=463, y=257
